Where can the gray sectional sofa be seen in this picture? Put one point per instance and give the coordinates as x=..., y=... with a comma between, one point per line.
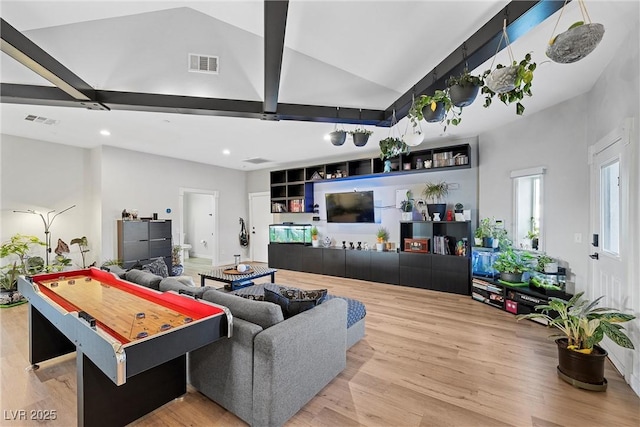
x=271, y=367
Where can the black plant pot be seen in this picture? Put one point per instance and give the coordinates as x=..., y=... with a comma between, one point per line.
x=582, y=370
x=360, y=139
x=511, y=277
x=463, y=96
x=432, y=116
x=338, y=137
x=487, y=242
x=440, y=208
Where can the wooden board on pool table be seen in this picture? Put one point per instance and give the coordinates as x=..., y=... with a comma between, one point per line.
x=128, y=315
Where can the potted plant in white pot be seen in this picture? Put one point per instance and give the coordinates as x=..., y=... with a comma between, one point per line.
x=360, y=136
x=435, y=192
x=583, y=325
x=314, y=237
x=382, y=237
x=406, y=206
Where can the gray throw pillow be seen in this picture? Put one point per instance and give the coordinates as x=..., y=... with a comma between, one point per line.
x=261, y=313
x=144, y=278
x=171, y=284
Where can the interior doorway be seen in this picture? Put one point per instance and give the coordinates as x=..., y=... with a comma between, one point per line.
x=259, y=219
x=199, y=224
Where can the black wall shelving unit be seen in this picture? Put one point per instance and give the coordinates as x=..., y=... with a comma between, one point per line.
x=292, y=189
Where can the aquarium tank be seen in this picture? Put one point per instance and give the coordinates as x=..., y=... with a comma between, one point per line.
x=290, y=233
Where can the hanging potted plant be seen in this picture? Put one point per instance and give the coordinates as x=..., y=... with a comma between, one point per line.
x=583, y=326
x=577, y=42
x=338, y=135
x=435, y=192
x=463, y=89
x=510, y=83
x=391, y=147
x=360, y=136
x=431, y=108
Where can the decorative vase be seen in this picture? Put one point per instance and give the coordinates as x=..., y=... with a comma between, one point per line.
x=433, y=116
x=463, y=96
x=575, y=44
x=326, y=242
x=177, y=270
x=387, y=165
x=477, y=241
x=379, y=247
x=338, y=137
x=439, y=208
x=582, y=370
x=487, y=242
x=360, y=139
x=407, y=216
x=436, y=216
x=503, y=79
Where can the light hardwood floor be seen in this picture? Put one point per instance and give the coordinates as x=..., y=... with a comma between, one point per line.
x=428, y=359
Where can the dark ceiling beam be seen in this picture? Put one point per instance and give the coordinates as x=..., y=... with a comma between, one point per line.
x=29, y=54
x=275, y=22
x=521, y=17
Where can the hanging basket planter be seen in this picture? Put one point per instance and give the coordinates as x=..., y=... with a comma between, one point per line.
x=338, y=137
x=575, y=43
x=413, y=139
x=463, y=96
x=432, y=115
x=502, y=80
x=360, y=136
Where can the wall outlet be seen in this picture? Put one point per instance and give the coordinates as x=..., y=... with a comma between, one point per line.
x=577, y=237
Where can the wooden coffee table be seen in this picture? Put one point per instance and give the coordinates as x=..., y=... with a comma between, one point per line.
x=237, y=281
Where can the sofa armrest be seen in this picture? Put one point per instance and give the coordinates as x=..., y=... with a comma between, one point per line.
x=295, y=359
x=223, y=370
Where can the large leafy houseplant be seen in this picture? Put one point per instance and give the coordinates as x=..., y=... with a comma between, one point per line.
x=510, y=261
x=18, y=246
x=510, y=83
x=582, y=323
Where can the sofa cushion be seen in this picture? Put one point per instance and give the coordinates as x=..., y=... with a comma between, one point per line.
x=143, y=278
x=115, y=269
x=261, y=313
x=294, y=301
x=356, y=310
x=157, y=267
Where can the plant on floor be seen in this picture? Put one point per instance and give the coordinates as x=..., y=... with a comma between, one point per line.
x=83, y=244
x=18, y=246
x=582, y=323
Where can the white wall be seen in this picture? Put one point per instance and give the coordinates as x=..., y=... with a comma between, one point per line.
x=43, y=176
x=149, y=183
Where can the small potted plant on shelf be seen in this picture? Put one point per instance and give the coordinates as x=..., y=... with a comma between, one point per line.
x=406, y=206
x=360, y=136
x=583, y=326
x=314, y=237
x=463, y=89
x=511, y=265
x=546, y=264
x=510, y=83
x=436, y=192
x=382, y=237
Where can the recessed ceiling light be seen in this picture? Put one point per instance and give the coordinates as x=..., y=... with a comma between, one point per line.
x=105, y=132
x=226, y=152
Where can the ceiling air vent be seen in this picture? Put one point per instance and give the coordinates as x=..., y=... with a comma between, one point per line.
x=40, y=119
x=203, y=63
x=256, y=160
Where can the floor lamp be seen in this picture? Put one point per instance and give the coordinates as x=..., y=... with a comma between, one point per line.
x=47, y=226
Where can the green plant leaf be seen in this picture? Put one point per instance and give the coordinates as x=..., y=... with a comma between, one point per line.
x=575, y=24
x=616, y=335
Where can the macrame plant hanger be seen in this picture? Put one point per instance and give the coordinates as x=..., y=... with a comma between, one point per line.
x=578, y=41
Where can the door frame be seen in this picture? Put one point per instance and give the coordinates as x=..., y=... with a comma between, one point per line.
x=251, y=219
x=215, y=240
x=629, y=247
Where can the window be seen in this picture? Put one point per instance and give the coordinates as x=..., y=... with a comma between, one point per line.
x=610, y=205
x=527, y=208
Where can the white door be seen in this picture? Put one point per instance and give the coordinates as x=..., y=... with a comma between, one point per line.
x=610, y=256
x=259, y=220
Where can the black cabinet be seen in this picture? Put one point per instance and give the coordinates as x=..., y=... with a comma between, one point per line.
x=451, y=274
x=333, y=262
x=312, y=260
x=385, y=267
x=358, y=264
x=139, y=242
x=415, y=270
x=286, y=256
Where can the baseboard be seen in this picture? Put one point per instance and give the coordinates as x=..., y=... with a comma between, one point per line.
x=635, y=384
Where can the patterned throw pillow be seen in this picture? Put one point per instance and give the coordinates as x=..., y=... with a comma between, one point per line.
x=157, y=267
x=294, y=301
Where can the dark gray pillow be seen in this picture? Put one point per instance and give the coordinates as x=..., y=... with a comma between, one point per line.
x=261, y=313
x=115, y=269
x=144, y=278
x=157, y=267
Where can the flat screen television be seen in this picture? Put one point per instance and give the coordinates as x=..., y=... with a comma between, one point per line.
x=355, y=206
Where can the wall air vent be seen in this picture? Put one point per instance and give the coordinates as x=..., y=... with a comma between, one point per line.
x=256, y=160
x=41, y=120
x=203, y=63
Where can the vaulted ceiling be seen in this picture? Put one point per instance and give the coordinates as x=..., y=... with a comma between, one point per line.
x=348, y=61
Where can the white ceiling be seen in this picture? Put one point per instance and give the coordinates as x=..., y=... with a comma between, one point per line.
x=360, y=54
